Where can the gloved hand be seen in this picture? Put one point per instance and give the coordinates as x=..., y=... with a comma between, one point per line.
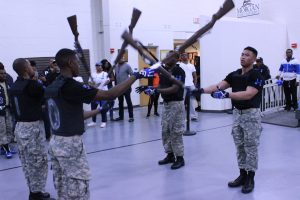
x=220, y=94
x=279, y=82
x=150, y=91
x=145, y=73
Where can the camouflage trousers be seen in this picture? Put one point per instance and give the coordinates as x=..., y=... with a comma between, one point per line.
x=246, y=132
x=6, y=128
x=173, y=126
x=71, y=172
x=32, y=152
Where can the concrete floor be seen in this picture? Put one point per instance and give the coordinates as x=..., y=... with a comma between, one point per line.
x=123, y=159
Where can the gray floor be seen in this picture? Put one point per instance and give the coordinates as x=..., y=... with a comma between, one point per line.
x=123, y=160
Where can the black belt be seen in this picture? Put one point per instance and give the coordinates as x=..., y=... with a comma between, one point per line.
x=244, y=111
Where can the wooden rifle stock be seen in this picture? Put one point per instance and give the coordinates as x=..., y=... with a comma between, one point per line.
x=136, y=13
x=227, y=6
x=73, y=25
x=128, y=38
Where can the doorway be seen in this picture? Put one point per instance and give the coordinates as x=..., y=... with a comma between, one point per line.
x=144, y=99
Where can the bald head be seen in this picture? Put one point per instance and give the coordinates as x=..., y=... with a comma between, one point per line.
x=20, y=66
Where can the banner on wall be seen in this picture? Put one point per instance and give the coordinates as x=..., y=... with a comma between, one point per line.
x=247, y=7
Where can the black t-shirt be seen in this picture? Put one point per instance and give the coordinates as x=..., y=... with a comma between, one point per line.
x=76, y=92
x=164, y=82
x=239, y=82
x=27, y=96
x=66, y=112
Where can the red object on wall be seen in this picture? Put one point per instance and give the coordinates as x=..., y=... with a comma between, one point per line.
x=294, y=45
x=111, y=50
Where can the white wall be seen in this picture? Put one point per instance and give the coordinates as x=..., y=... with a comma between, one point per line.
x=221, y=50
x=31, y=28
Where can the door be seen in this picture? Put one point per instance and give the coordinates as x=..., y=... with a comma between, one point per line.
x=144, y=99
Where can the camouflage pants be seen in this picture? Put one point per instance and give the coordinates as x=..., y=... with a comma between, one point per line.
x=173, y=127
x=6, y=132
x=246, y=132
x=71, y=173
x=32, y=152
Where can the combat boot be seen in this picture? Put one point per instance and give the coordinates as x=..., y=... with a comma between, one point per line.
x=40, y=196
x=178, y=163
x=249, y=184
x=170, y=158
x=239, y=180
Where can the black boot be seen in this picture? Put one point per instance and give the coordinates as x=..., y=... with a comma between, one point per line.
x=239, y=180
x=40, y=196
x=249, y=184
x=169, y=159
x=178, y=163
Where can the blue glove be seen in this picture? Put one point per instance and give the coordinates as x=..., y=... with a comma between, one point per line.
x=145, y=73
x=220, y=94
x=150, y=91
x=279, y=82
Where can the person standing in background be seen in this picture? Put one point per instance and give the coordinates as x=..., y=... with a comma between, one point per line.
x=100, y=81
x=107, y=67
x=289, y=72
x=153, y=99
x=123, y=71
x=190, y=82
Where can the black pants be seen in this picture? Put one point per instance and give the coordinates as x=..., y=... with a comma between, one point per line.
x=290, y=92
x=153, y=99
x=129, y=104
x=94, y=105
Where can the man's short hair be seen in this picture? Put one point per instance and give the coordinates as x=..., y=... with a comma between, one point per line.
x=290, y=50
x=1, y=66
x=63, y=56
x=253, y=50
x=19, y=65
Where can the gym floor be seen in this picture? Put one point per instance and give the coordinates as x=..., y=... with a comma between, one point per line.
x=123, y=160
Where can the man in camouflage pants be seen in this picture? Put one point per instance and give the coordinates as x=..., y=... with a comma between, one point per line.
x=173, y=118
x=6, y=132
x=65, y=98
x=27, y=97
x=247, y=85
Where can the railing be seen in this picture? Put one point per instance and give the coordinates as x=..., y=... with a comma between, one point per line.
x=273, y=98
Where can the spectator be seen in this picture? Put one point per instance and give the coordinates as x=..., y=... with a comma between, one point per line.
x=108, y=69
x=6, y=125
x=190, y=82
x=289, y=72
x=262, y=68
x=100, y=81
x=123, y=71
x=153, y=99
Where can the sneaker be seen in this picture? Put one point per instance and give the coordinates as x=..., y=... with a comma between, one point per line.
x=103, y=125
x=148, y=115
x=8, y=154
x=198, y=109
x=130, y=120
x=156, y=114
x=91, y=124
